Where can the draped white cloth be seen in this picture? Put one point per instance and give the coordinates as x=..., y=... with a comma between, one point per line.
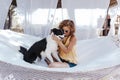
x=88, y=15
x=114, y=11
x=4, y=6
x=35, y=15
x=39, y=16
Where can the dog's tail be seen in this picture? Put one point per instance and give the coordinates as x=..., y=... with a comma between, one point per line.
x=23, y=50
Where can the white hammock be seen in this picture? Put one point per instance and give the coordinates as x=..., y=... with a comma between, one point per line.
x=97, y=58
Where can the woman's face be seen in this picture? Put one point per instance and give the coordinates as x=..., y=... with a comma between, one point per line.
x=66, y=31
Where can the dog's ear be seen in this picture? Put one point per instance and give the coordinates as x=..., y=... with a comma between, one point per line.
x=52, y=30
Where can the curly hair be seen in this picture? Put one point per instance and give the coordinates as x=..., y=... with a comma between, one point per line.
x=68, y=23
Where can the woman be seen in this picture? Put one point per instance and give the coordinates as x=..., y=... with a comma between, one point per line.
x=66, y=46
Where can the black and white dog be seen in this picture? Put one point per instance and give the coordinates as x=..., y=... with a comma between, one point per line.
x=43, y=48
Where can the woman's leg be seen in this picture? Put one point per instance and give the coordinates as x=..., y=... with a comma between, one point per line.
x=58, y=65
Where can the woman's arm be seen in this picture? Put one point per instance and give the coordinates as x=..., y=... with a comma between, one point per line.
x=62, y=46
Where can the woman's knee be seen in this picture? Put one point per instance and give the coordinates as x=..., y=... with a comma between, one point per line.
x=58, y=65
x=52, y=65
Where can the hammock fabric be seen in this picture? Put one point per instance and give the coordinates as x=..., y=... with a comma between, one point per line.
x=94, y=64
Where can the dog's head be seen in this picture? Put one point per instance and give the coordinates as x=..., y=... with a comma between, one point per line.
x=58, y=32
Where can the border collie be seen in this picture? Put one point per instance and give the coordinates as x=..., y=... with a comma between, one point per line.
x=45, y=48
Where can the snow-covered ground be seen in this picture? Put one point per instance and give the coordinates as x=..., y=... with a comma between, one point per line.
x=92, y=54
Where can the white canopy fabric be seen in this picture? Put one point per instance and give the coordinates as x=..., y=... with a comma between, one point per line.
x=35, y=15
x=88, y=15
x=4, y=6
x=114, y=11
x=39, y=16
